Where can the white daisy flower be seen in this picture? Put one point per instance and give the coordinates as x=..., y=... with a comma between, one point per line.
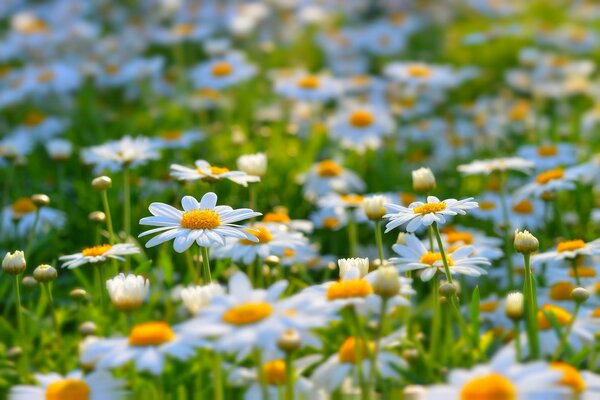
x=361, y=127
x=568, y=250
x=309, y=88
x=202, y=222
x=549, y=156
x=483, y=246
x=196, y=298
x=117, y=154
x=177, y=139
x=18, y=219
x=330, y=218
x=551, y=181
x=222, y=72
x=99, y=254
x=148, y=345
x=415, y=256
x=128, y=292
x=328, y=176
x=99, y=385
x=497, y=165
x=419, y=214
x=209, y=173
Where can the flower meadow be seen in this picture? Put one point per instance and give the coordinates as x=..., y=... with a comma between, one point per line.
x=299, y=200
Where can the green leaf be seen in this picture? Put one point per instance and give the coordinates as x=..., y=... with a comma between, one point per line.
x=475, y=316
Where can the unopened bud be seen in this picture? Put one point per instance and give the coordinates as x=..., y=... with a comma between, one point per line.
x=423, y=180
x=386, y=283
x=45, y=273
x=580, y=295
x=14, y=263
x=272, y=260
x=40, y=199
x=28, y=282
x=88, y=328
x=102, y=183
x=525, y=242
x=97, y=216
x=289, y=341
x=448, y=289
x=374, y=207
x=514, y=307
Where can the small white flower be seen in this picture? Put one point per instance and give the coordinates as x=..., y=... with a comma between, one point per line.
x=128, y=292
x=253, y=164
x=116, y=154
x=196, y=298
x=99, y=254
x=496, y=165
x=360, y=264
x=423, y=180
x=209, y=173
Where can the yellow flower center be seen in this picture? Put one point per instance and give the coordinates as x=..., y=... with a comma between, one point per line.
x=523, y=207
x=184, y=29
x=407, y=198
x=329, y=168
x=172, y=135
x=547, y=151
x=352, y=199
x=428, y=208
x=309, y=82
x=347, y=353
x=218, y=170
x=519, y=111
x=151, y=334
x=222, y=69
x=570, y=245
x=247, y=313
x=492, y=386
x=34, y=118
x=68, y=389
x=46, y=76
x=200, y=219
x=34, y=26
x=431, y=258
x=23, y=205
x=273, y=372
x=96, y=251
x=488, y=307
x=561, y=291
x=349, y=289
x=459, y=237
x=331, y=223
x=562, y=316
x=583, y=272
x=276, y=217
x=262, y=233
x=289, y=252
x=361, y=119
x=112, y=69
x=571, y=377
x=548, y=176
x=419, y=71
x=596, y=313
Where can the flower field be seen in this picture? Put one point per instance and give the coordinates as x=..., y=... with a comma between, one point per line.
x=299, y=200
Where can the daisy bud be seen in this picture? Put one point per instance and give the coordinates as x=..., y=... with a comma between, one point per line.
x=253, y=164
x=97, y=216
x=14, y=353
x=525, y=242
x=196, y=298
x=414, y=392
x=28, y=282
x=423, y=180
x=45, y=273
x=580, y=295
x=374, y=207
x=346, y=264
x=272, y=261
x=40, y=199
x=386, y=283
x=448, y=289
x=78, y=294
x=289, y=341
x=127, y=292
x=514, y=307
x=14, y=263
x=102, y=183
x=88, y=328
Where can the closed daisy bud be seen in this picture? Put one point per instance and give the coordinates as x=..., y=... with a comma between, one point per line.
x=127, y=292
x=386, y=283
x=79, y=294
x=346, y=264
x=448, y=289
x=272, y=260
x=14, y=353
x=253, y=164
x=40, y=199
x=28, y=282
x=102, y=183
x=514, y=307
x=196, y=298
x=423, y=180
x=14, y=263
x=289, y=341
x=97, y=216
x=45, y=273
x=88, y=328
x=525, y=242
x=414, y=392
x=580, y=295
x=374, y=207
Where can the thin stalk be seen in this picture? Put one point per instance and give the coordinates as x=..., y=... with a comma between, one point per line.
x=565, y=334
x=218, y=375
x=576, y=271
x=261, y=374
x=435, y=321
x=352, y=235
x=109, y=224
x=531, y=309
x=289, y=376
x=36, y=220
x=508, y=248
x=100, y=284
x=48, y=292
x=206, y=265
x=517, y=329
x=360, y=347
x=126, y=211
x=373, y=373
x=190, y=266
x=379, y=241
x=19, y=309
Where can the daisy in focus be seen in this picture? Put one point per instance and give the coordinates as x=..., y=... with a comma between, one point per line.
x=99, y=254
x=209, y=173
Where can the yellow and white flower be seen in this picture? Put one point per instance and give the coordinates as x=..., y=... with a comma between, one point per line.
x=328, y=176
x=209, y=173
x=99, y=254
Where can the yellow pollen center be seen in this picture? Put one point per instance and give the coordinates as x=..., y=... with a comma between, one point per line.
x=262, y=233
x=488, y=307
x=309, y=82
x=430, y=208
x=583, y=272
x=431, y=258
x=570, y=245
x=68, y=389
x=562, y=316
x=407, y=198
x=247, y=313
x=96, y=250
x=523, y=207
x=200, y=219
x=172, y=135
x=151, y=334
x=548, y=176
x=349, y=289
x=276, y=217
x=331, y=223
x=24, y=205
x=34, y=118
x=547, y=151
x=112, y=69
x=184, y=29
x=596, y=313
x=218, y=170
x=561, y=291
x=46, y=76
x=347, y=353
x=222, y=69
x=571, y=377
x=492, y=386
x=419, y=71
x=329, y=168
x=361, y=119
x=459, y=237
x=352, y=199
x=35, y=26
x=273, y=372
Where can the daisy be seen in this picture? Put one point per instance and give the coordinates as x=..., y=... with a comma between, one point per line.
x=582, y=384
x=551, y=181
x=98, y=385
x=328, y=176
x=209, y=173
x=497, y=165
x=483, y=246
x=118, y=154
x=549, y=156
x=99, y=254
x=148, y=345
x=41, y=127
x=415, y=256
x=306, y=87
x=222, y=72
x=361, y=127
x=419, y=214
x=177, y=139
x=19, y=219
x=417, y=74
x=568, y=250
x=202, y=222
x=330, y=218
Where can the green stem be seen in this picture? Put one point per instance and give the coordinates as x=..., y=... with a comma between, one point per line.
x=109, y=224
x=289, y=376
x=576, y=271
x=373, y=373
x=508, y=248
x=36, y=220
x=206, y=265
x=48, y=291
x=261, y=374
x=566, y=333
x=435, y=321
x=379, y=241
x=352, y=235
x=126, y=211
x=218, y=368
x=531, y=308
x=360, y=347
x=100, y=284
x=517, y=329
